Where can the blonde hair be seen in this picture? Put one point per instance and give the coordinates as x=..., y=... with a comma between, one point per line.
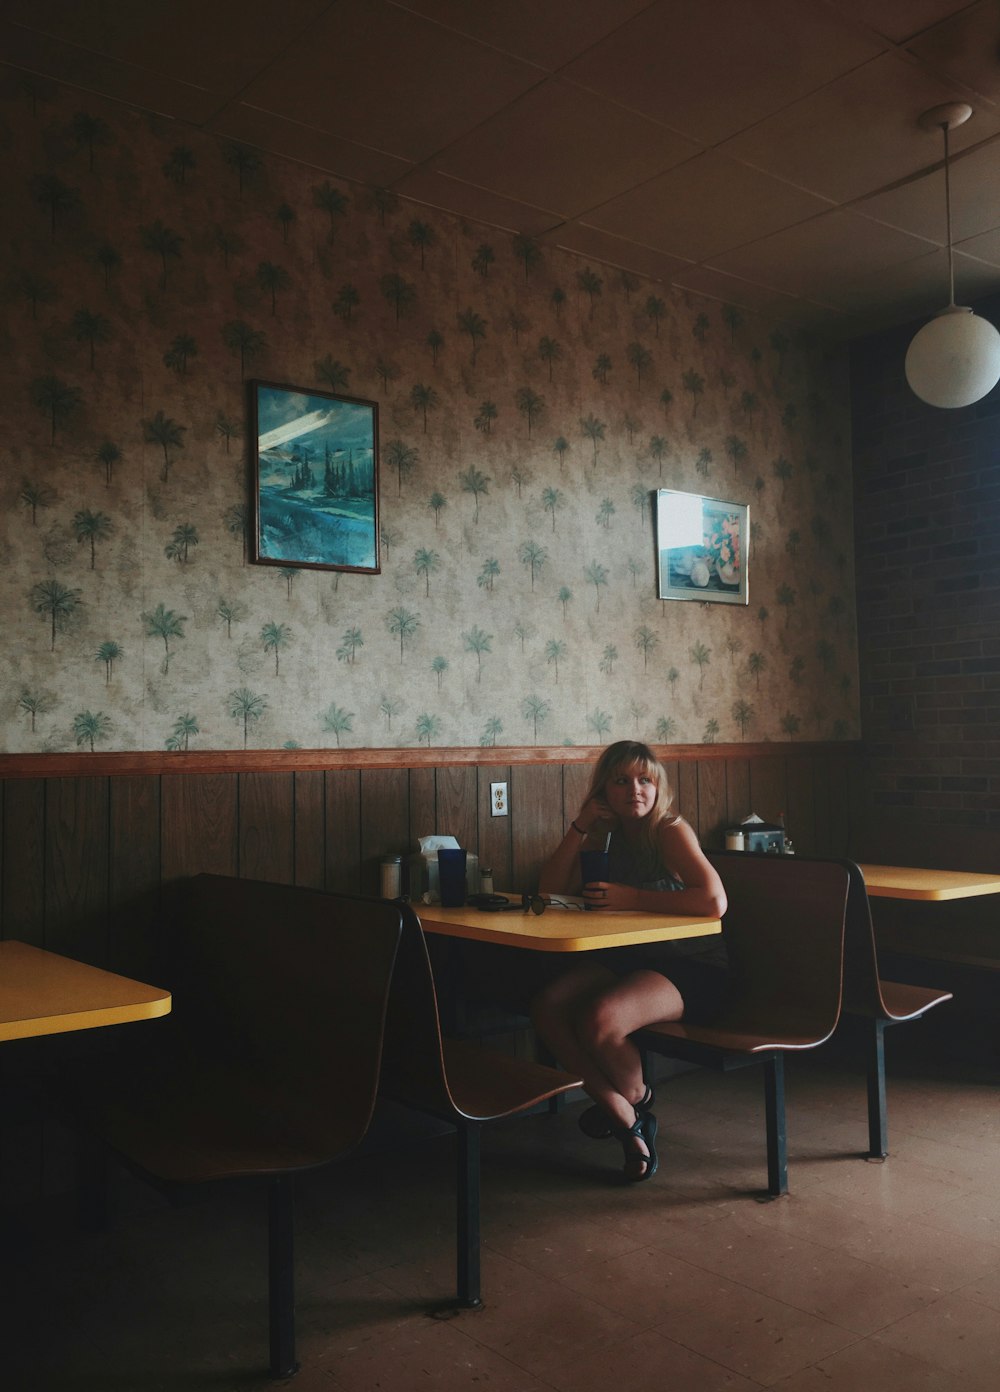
x=630, y=754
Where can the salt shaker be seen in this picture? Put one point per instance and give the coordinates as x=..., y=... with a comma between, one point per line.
x=391, y=869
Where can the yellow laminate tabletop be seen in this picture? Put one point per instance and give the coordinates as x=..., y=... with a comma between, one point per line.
x=911, y=882
x=44, y=993
x=563, y=930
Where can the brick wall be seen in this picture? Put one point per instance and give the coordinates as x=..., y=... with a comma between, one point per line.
x=927, y=525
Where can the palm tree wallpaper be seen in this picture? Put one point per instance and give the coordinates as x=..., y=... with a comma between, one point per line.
x=530, y=404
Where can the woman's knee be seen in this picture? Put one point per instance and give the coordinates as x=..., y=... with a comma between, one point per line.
x=600, y=1022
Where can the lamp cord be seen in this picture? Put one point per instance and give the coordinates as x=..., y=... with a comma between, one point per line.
x=947, y=205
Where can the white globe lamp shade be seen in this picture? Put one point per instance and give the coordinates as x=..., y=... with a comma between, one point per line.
x=955, y=359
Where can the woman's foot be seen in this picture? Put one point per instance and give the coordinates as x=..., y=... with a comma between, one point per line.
x=641, y=1160
x=595, y=1122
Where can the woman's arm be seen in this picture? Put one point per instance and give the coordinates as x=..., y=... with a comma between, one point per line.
x=703, y=892
x=588, y=830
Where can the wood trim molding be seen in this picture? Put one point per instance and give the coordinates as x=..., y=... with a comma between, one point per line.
x=157, y=762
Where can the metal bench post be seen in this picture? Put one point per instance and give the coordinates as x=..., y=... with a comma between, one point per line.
x=468, y=1187
x=777, y=1139
x=878, y=1129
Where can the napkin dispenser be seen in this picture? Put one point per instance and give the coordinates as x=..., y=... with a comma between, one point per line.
x=759, y=837
x=423, y=868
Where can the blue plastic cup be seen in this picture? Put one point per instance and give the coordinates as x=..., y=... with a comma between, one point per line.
x=451, y=877
x=593, y=866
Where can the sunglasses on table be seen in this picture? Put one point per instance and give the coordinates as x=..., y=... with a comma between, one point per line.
x=527, y=903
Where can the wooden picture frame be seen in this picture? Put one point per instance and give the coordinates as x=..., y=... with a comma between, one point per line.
x=702, y=548
x=314, y=476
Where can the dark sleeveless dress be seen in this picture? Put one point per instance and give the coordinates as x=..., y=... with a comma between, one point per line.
x=698, y=967
x=508, y=977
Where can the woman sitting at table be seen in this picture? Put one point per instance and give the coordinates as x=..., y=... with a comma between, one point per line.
x=586, y=1015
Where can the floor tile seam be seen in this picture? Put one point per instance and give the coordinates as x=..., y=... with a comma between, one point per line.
x=853, y=1342
x=852, y=1337
x=635, y=1329
x=479, y=1345
x=707, y=1357
x=911, y=1221
x=550, y=1278
x=949, y=1143
x=966, y=1294
x=737, y=1280
x=745, y=1284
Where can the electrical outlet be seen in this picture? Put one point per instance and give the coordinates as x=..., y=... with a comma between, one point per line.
x=498, y=799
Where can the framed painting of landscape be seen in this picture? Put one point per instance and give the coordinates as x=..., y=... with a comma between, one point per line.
x=314, y=479
x=702, y=548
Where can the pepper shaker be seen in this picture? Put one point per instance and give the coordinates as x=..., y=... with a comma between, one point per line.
x=391, y=870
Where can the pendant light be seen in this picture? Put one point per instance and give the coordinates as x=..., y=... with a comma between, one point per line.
x=955, y=359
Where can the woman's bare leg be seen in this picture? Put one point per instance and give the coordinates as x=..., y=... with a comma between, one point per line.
x=586, y=1018
x=554, y=1014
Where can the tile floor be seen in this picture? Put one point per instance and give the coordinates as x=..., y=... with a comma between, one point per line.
x=866, y=1275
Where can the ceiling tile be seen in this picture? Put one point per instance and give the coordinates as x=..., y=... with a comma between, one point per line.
x=105, y=77
x=217, y=46
x=984, y=248
x=549, y=34
x=919, y=206
x=816, y=257
x=669, y=62
x=856, y=135
x=614, y=251
x=559, y=147
x=900, y=20
x=342, y=158
x=382, y=77
x=478, y=204
x=744, y=294
x=966, y=48
x=706, y=205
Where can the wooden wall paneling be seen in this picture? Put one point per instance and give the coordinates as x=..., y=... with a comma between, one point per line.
x=76, y=868
x=859, y=815
x=458, y=805
x=343, y=831
x=385, y=821
x=309, y=804
x=423, y=807
x=836, y=827
x=199, y=825
x=768, y=788
x=686, y=801
x=737, y=790
x=713, y=810
x=494, y=832
x=800, y=813
x=267, y=827
x=673, y=769
x=23, y=899
x=576, y=781
x=133, y=875
x=536, y=811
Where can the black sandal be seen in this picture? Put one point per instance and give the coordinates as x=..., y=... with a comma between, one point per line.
x=644, y=1127
x=596, y=1123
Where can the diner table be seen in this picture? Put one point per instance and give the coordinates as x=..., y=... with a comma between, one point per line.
x=913, y=882
x=42, y=992
x=560, y=929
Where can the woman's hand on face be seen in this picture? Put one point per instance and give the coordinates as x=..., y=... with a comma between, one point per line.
x=602, y=894
x=596, y=816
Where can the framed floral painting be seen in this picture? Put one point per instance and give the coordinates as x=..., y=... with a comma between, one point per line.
x=701, y=548
x=314, y=479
